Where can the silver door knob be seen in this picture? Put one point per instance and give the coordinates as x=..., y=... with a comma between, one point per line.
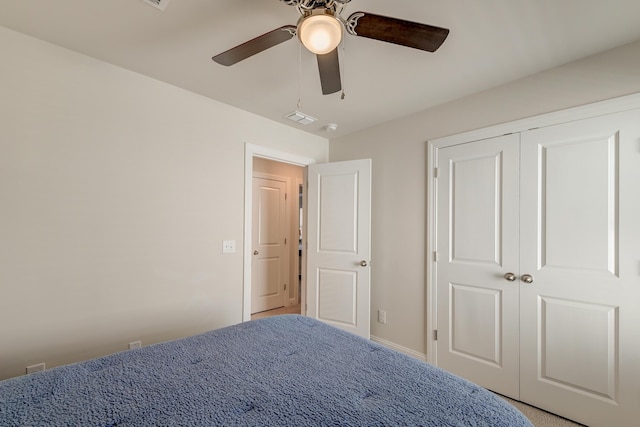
x=510, y=277
x=527, y=278
x=256, y=252
x=363, y=263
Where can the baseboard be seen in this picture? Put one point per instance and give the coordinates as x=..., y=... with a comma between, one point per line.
x=399, y=348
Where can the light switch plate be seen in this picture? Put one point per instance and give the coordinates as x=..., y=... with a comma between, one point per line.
x=228, y=246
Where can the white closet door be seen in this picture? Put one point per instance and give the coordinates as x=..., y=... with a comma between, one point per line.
x=580, y=243
x=477, y=245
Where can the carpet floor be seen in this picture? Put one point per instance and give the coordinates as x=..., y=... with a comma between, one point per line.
x=541, y=418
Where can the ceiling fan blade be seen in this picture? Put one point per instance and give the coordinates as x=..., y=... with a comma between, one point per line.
x=257, y=45
x=329, y=67
x=398, y=31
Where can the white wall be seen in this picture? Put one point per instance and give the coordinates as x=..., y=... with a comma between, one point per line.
x=116, y=192
x=398, y=150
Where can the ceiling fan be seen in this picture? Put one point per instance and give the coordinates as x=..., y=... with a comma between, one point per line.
x=320, y=29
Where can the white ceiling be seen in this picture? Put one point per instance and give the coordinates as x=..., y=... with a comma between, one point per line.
x=491, y=42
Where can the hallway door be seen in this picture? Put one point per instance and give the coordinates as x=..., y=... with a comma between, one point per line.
x=269, y=263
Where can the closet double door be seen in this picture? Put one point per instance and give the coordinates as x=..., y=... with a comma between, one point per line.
x=538, y=270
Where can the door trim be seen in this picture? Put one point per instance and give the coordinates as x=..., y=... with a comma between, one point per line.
x=251, y=151
x=299, y=276
x=614, y=105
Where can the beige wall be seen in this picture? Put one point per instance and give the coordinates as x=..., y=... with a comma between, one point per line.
x=116, y=192
x=398, y=150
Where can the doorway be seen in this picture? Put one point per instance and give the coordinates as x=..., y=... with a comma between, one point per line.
x=343, y=208
x=276, y=236
x=267, y=157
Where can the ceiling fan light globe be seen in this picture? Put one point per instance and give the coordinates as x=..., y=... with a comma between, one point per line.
x=320, y=33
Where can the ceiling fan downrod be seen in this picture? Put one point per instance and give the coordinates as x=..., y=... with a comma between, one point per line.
x=309, y=5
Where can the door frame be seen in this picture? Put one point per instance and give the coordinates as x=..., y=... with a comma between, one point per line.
x=300, y=257
x=251, y=151
x=614, y=105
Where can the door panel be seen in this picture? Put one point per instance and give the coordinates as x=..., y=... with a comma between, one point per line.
x=337, y=297
x=578, y=191
x=587, y=366
x=268, y=263
x=268, y=276
x=475, y=194
x=477, y=205
x=338, y=212
x=339, y=218
x=483, y=343
x=579, y=316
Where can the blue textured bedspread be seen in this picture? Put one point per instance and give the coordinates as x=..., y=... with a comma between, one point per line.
x=285, y=370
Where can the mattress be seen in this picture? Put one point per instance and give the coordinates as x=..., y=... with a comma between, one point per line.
x=280, y=371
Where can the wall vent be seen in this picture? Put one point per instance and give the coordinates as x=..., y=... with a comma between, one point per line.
x=158, y=4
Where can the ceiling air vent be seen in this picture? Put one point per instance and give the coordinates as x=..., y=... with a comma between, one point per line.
x=301, y=118
x=158, y=4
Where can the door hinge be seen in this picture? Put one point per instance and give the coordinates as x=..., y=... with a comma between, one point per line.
x=436, y=256
x=285, y=286
x=435, y=335
x=436, y=172
x=285, y=240
x=285, y=196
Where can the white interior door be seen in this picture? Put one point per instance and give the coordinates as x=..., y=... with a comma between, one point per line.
x=268, y=267
x=580, y=240
x=477, y=245
x=339, y=250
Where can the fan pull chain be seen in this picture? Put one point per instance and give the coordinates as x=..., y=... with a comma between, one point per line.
x=344, y=69
x=299, y=75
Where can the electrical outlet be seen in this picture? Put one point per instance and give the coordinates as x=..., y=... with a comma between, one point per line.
x=135, y=344
x=382, y=316
x=36, y=368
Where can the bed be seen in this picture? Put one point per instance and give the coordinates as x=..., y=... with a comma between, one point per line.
x=280, y=371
